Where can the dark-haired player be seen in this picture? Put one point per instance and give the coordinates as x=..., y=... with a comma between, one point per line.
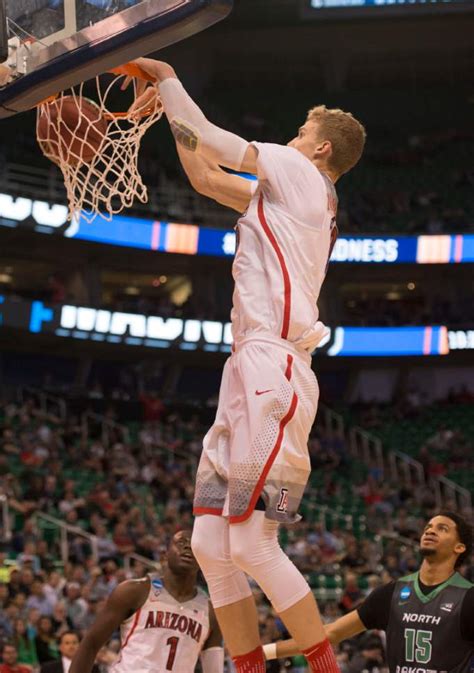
x=166, y=622
x=428, y=616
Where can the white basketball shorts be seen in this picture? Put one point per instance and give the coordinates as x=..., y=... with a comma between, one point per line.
x=257, y=449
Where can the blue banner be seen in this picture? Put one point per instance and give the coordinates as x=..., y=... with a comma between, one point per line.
x=389, y=341
x=189, y=239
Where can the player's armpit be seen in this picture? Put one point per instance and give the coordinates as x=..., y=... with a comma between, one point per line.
x=230, y=190
x=210, y=180
x=121, y=604
x=249, y=162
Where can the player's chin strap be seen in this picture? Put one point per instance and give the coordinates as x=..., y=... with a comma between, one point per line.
x=196, y=133
x=212, y=660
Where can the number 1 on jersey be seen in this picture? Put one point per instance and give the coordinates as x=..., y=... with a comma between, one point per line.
x=173, y=643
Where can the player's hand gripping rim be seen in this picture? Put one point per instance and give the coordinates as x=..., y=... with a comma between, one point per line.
x=147, y=93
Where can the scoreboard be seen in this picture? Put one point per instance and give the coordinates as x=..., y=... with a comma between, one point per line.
x=317, y=9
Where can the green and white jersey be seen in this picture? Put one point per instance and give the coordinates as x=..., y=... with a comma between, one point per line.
x=424, y=633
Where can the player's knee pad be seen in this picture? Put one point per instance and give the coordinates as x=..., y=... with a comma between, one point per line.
x=254, y=548
x=254, y=544
x=208, y=540
x=210, y=544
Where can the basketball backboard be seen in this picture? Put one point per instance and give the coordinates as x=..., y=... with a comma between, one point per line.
x=55, y=44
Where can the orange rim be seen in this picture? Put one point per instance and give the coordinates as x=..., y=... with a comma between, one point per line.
x=132, y=70
x=127, y=70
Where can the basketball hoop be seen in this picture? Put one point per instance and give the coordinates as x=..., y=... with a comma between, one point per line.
x=96, y=148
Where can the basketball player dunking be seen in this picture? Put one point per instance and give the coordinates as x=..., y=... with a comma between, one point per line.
x=166, y=622
x=255, y=464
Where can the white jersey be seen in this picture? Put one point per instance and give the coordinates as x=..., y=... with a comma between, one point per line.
x=164, y=635
x=284, y=242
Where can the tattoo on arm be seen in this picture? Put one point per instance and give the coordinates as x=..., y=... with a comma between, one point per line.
x=184, y=134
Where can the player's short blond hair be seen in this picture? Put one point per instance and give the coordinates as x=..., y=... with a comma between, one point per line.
x=346, y=134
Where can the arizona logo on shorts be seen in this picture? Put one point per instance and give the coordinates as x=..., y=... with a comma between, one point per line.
x=283, y=501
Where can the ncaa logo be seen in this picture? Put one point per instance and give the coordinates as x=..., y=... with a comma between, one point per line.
x=405, y=593
x=157, y=586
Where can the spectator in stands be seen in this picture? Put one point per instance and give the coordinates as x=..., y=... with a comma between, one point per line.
x=32, y=619
x=392, y=566
x=27, y=577
x=103, y=580
x=153, y=407
x=19, y=600
x=60, y=619
x=7, y=616
x=25, y=644
x=353, y=558
x=122, y=539
x=28, y=532
x=106, y=547
x=70, y=501
x=352, y=596
x=40, y=599
x=46, y=645
x=76, y=606
x=4, y=595
x=54, y=585
x=68, y=645
x=10, y=660
x=406, y=524
x=5, y=570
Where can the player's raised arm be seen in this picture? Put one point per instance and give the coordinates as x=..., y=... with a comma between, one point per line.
x=212, y=655
x=122, y=603
x=343, y=628
x=190, y=126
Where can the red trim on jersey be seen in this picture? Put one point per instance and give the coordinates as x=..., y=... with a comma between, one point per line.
x=284, y=270
x=208, y=510
x=261, y=482
x=134, y=626
x=283, y=423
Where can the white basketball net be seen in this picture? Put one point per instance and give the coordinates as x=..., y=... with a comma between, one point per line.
x=107, y=181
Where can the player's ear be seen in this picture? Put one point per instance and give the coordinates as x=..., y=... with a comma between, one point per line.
x=323, y=150
x=460, y=548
